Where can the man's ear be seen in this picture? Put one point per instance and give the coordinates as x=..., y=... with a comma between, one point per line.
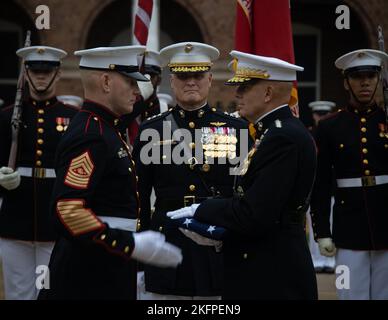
x=346, y=84
x=268, y=93
x=210, y=79
x=105, y=82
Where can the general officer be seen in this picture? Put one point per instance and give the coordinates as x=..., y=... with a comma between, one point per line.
x=95, y=199
x=265, y=219
x=25, y=230
x=204, y=172
x=354, y=141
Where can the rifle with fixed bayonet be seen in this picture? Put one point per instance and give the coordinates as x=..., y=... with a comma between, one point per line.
x=16, y=119
x=384, y=76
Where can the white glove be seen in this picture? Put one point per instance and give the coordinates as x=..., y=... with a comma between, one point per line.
x=151, y=248
x=9, y=179
x=186, y=212
x=146, y=87
x=326, y=247
x=201, y=240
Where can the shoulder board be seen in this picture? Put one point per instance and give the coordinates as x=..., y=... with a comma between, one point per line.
x=228, y=116
x=233, y=114
x=158, y=116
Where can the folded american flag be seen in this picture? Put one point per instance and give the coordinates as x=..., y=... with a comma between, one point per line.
x=203, y=229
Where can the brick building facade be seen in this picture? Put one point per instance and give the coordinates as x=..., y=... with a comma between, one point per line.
x=76, y=24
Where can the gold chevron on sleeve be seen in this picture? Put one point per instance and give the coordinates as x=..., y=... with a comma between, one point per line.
x=80, y=171
x=76, y=217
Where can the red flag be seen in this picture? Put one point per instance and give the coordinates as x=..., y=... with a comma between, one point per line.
x=263, y=27
x=142, y=21
x=244, y=34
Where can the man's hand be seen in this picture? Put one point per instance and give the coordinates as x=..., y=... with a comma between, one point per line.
x=326, y=247
x=146, y=88
x=151, y=248
x=9, y=179
x=186, y=212
x=201, y=240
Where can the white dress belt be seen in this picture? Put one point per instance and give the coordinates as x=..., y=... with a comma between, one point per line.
x=120, y=223
x=367, y=181
x=36, y=172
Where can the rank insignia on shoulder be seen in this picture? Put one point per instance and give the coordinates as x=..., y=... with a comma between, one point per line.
x=218, y=124
x=158, y=115
x=234, y=114
x=80, y=171
x=278, y=124
x=122, y=153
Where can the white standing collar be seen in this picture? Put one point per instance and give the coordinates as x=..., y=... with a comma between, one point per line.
x=273, y=110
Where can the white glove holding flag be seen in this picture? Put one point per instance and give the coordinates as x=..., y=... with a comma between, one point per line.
x=327, y=247
x=151, y=248
x=186, y=212
x=201, y=240
x=9, y=179
x=146, y=88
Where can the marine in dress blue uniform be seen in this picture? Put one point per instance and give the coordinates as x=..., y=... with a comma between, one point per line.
x=95, y=203
x=266, y=255
x=203, y=175
x=354, y=141
x=320, y=110
x=25, y=229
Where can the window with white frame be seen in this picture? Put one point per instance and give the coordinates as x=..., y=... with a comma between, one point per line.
x=307, y=47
